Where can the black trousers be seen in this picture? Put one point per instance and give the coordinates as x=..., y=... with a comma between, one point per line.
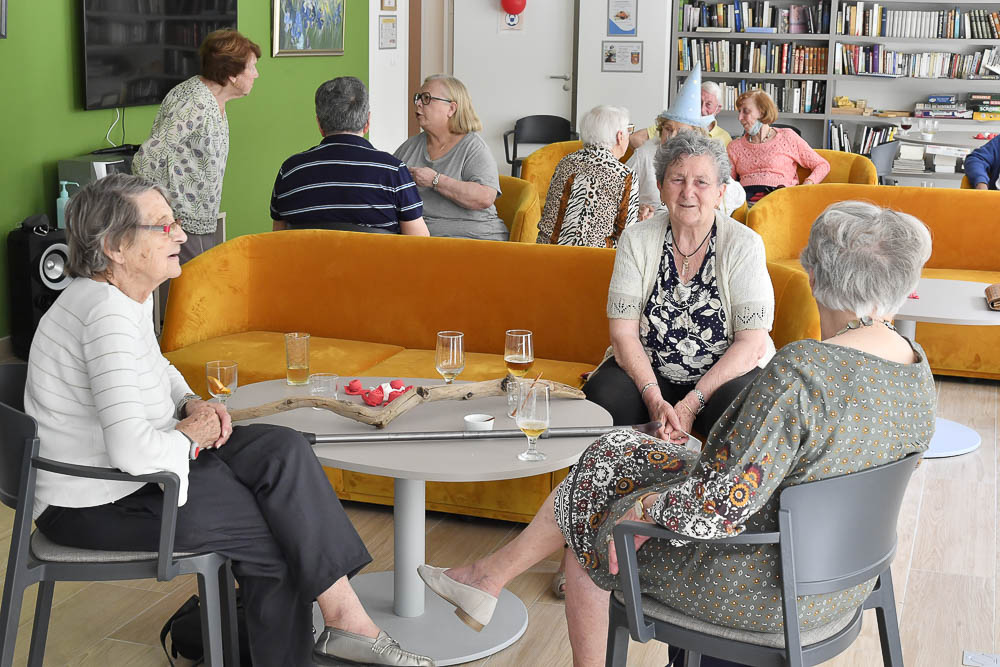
x=264, y=501
x=610, y=387
x=677, y=655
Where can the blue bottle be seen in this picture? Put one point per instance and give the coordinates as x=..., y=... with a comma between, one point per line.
x=61, y=202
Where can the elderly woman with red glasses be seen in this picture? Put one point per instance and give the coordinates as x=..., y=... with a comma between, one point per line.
x=103, y=395
x=451, y=164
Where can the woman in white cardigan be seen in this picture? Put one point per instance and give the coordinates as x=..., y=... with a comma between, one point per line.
x=104, y=395
x=690, y=302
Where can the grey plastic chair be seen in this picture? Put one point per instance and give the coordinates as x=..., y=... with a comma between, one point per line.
x=35, y=559
x=882, y=156
x=833, y=534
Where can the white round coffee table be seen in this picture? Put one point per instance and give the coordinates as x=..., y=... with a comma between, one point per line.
x=947, y=302
x=396, y=600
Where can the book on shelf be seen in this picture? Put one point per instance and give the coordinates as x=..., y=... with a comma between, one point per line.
x=863, y=19
x=983, y=115
x=761, y=29
x=942, y=99
x=703, y=28
x=911, y=152
x=750, y=56
x=946, y=151
x=752, y=16
x=876, y=60
x=985, y=97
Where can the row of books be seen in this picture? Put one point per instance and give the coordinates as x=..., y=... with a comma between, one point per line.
x=877, y=60
x=877, y=21
x=866, y=137
x=751, y=57
x=792, y=96
x=753, y=16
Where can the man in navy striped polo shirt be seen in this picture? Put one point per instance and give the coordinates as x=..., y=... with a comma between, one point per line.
x=344, y=182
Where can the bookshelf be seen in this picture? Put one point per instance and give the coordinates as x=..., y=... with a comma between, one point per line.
x=878, y=91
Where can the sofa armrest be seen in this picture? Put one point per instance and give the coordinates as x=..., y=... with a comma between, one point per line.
x=795, y=314
x=211, y=297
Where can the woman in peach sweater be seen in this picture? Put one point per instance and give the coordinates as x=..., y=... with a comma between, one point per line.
x=766, y=158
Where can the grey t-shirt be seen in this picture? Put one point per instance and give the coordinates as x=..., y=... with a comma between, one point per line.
x=468, y=160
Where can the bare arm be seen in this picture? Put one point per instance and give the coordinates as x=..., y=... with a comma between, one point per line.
x=631, y=356
x=467, y=194
x=638, y=138
x=415, y=227
x=747, y=349
x=278, y=225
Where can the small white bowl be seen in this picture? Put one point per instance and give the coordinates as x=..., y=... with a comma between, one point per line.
x=479, y=422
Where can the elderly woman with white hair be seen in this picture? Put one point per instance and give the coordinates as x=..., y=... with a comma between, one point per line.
x=592, y=196
x=103, y=395
x=803, y=418
x=690, y=301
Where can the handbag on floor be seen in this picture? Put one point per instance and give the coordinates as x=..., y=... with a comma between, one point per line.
x=184, y=629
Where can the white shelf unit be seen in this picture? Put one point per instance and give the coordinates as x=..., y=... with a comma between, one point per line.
x=878, y=92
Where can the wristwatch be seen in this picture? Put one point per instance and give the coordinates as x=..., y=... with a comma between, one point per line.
x=182, y=405
x=437, y=178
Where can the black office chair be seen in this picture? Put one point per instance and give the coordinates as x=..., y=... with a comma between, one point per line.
x=534, y=130
x=35, y=559
x=883, y=155
x=790, y=127
x=833, y=534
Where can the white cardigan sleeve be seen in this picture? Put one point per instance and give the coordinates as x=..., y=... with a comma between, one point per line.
x=750, y=290
x=124, y=387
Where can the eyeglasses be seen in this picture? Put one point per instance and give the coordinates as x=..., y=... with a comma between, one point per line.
x=425, y=98
x=166, y=229
x=630, y=127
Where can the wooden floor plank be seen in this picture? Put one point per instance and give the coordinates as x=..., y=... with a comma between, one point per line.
x=945, y=614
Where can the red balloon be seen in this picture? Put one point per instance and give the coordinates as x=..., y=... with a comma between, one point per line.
x=513, y=6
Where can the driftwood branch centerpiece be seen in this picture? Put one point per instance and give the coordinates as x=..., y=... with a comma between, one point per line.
x=381, y=417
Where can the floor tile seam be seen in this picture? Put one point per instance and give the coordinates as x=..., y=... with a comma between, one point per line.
x=55, y=605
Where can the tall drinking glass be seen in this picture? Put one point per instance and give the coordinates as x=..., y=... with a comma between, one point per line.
x=449, y=355
x=221, y=377
x=297, y=358
x=532, y=416
x=518, y=352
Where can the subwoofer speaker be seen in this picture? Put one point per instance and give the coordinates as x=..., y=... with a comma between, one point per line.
x=36, y=258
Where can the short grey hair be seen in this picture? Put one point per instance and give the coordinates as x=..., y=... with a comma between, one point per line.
x=713, y=88
x=600, y=126
x=687, y=143
x=342, y=105
x=865, y=259
x=103, y=215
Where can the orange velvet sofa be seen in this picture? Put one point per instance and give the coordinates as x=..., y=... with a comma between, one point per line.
x=374, y=304
x=962, y=225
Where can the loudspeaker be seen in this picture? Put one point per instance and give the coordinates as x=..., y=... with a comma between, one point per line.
x=36, y=258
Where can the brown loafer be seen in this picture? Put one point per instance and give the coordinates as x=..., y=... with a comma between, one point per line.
x=337, y=647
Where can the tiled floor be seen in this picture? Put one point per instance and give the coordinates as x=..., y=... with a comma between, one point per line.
x=946, y=572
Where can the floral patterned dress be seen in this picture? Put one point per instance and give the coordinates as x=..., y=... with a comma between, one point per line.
x=684, y=325
x=816, y=411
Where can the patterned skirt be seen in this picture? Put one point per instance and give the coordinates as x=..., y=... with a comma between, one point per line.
x=605, y=483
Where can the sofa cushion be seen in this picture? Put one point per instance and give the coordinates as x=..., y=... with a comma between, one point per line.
x=478, y=367
x=261, y=356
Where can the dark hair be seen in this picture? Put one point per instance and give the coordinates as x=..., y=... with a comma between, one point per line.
x=342, y=105
x=225, y=53
x=102, y=215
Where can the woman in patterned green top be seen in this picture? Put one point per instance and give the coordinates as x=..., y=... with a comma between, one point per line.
x=862, y=397
x=188, y=146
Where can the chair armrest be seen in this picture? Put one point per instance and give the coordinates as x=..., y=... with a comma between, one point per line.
x=574, y=136
x=628, y=565
x=166, y=566
x=506, y=147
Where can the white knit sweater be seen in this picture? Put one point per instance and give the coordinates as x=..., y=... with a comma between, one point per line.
x=103, y=395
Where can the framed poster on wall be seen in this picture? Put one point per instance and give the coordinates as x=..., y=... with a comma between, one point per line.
x=622, y=18
x=387, y=31
x=621, y=56
x=313, y=28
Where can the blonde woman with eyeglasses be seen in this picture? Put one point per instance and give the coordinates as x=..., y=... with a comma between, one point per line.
x=451, y=164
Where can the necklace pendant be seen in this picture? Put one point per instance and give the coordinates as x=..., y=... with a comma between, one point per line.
x=684, y=267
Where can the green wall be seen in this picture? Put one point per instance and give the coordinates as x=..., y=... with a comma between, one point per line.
x=42, y=116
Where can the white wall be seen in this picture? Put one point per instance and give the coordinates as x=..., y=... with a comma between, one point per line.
x=645, y=93
x=387, y=79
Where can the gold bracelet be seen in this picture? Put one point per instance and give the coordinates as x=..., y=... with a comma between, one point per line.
x=640, y=507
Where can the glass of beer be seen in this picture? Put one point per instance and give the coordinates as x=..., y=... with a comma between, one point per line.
x=221, y=378
x=518, y=352
x=449, y=355
x=297, y=358
x=532, y=416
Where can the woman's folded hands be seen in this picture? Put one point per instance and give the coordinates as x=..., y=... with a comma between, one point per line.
x=208, y=424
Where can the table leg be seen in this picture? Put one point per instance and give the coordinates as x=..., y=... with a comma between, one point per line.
x=950, y=438
x=408, y=518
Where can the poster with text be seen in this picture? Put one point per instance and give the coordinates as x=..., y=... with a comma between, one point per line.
x=621, y=56
x=621, y=18
x=386, y=32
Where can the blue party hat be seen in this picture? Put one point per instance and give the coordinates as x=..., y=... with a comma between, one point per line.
x=686, y=107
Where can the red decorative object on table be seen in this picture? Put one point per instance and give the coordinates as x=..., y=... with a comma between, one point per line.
x=378, y=395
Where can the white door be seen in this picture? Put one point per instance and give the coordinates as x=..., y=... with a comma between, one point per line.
x=514, y=73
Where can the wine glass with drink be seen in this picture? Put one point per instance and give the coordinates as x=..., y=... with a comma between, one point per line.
x=905, y=124
x=221, y=377
x=449, y=355
x=532, y=416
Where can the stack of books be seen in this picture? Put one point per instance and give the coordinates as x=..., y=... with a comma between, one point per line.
x=984, y=106
x=946, y=157
x=910, y=159
x=941, y=106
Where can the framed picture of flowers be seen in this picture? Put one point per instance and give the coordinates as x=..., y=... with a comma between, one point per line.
x=308, y=28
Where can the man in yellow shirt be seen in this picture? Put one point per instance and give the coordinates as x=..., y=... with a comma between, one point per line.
x=711, y=103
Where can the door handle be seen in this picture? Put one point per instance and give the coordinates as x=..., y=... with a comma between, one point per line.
x=564, y=77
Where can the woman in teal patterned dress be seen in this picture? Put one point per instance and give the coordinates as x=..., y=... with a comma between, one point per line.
x=862, y=397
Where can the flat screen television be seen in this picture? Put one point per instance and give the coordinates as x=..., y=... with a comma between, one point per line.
x=135, y=51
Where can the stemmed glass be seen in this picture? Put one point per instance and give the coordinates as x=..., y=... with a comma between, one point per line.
x=449, y=355
x=221, y=377
x=532, y=416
